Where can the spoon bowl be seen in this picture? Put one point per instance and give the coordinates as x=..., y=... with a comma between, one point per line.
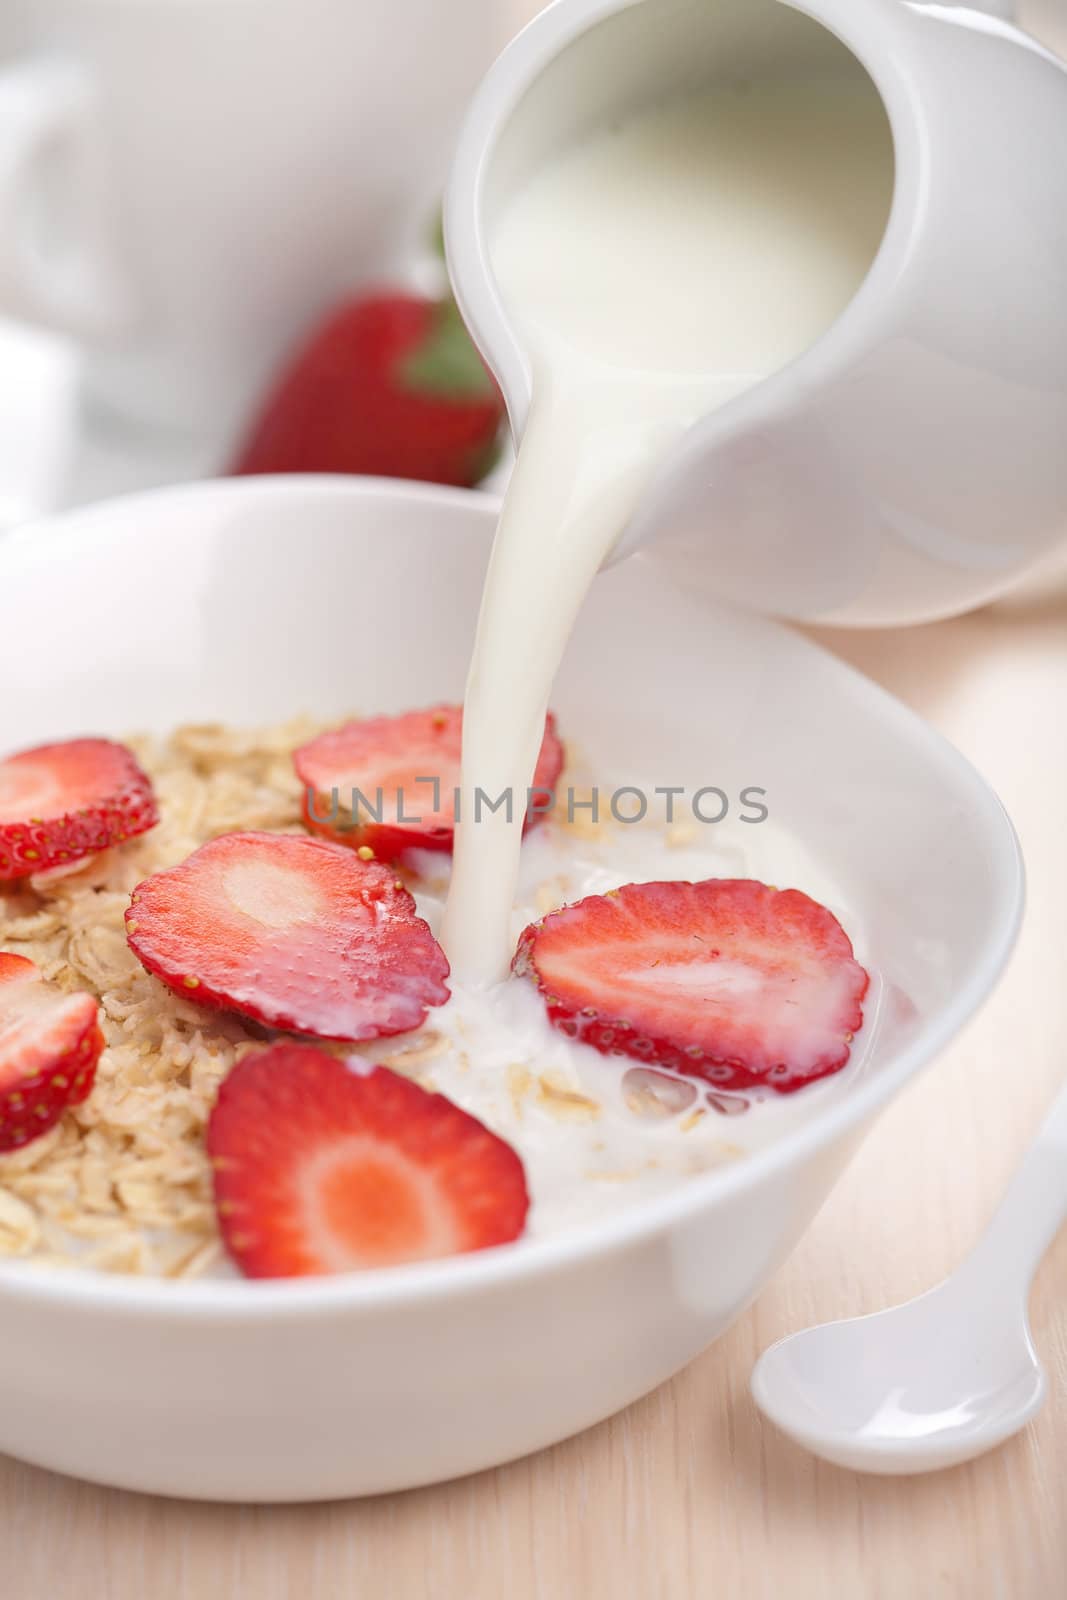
x=941, y=1378
x=912, y=1389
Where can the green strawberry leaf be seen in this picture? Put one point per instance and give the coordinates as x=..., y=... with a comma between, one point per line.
x=447, y=363
x=487, y=458
x=437, y=237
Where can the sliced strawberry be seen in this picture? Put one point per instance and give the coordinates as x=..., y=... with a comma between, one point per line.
x=389, y=784
x=50, y=1043
x=726, y=980
x=320, y=1169
x=62, y=802
x=295, y=932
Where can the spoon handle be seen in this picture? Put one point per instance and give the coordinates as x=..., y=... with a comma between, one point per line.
x=1032, y=1210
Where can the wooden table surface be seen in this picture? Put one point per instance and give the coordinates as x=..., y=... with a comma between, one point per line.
x=688, y=1494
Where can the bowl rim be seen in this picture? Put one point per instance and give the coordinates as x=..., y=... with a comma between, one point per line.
x=384, y=1289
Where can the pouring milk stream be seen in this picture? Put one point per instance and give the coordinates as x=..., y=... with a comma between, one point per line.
x=655, y=270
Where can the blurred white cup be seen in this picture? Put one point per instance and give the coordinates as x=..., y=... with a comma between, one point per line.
x=185, y=183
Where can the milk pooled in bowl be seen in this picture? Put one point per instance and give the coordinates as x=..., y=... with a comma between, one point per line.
x=598, y=1133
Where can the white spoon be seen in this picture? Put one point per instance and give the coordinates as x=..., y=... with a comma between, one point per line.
x=942, y=1378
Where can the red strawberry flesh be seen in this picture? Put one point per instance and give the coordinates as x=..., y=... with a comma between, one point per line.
x=366, y=783
x=389, y=385
x=296, y=933
x=320, y=1168
x=62, y=802
x=726, y=980
x=50, y=1043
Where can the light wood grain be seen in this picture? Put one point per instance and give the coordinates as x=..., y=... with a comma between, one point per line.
x=687, y=1495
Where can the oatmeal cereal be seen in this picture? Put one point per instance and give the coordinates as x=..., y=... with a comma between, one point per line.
x=123, y=1183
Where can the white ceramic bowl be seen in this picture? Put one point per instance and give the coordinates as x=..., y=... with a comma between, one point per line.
x=256, y=599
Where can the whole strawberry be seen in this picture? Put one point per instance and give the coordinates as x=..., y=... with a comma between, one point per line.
x=388, y=385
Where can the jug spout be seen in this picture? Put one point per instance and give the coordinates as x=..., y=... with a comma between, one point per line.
x=912, y=462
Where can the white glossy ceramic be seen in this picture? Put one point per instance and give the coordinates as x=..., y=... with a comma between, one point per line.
x=911, y=463
x=185, y=184
x=944, y=1377
x=254, y=599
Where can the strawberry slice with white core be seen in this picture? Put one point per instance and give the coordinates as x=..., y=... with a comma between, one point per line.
x=388, y=784
x=726, y=980
x=62, y=802
x=322, y=1169
x=50, y=1043
x=297, y=933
